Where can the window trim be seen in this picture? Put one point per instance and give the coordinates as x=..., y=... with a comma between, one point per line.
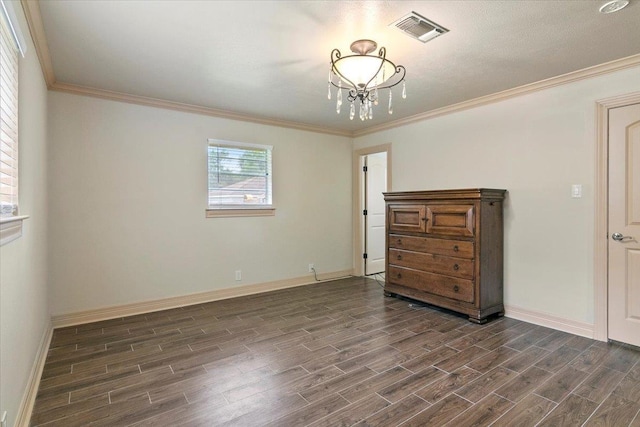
x=217, y=211
x=11, y=225
x=236, y=212
x=11, y=228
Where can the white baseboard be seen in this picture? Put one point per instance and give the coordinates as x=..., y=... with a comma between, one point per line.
x=105, y=313
x=33, y=383
x=550, y=321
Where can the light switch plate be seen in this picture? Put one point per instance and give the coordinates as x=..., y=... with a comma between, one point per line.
x=576, y=191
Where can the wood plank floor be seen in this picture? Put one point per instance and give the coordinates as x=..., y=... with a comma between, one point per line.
x=335, y=353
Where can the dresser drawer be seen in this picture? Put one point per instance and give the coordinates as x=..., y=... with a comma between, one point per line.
x=450, y=220
x=430, y=263
x=449, y=287
x=454, y=248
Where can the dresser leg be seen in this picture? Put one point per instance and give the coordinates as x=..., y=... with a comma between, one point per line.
x=389, y=294
x=478, y=321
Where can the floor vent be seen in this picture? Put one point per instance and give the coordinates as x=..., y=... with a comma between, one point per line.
x=419, y=27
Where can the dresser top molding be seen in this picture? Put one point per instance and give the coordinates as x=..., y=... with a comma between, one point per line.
x=466, y=193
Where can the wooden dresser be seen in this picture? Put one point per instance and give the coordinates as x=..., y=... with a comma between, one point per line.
x=445, y=248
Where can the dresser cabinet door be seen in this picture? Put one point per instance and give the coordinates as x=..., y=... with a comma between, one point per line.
x=407, y=218
x=450, y=220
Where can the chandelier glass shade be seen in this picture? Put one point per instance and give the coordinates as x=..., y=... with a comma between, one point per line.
x=361, y=76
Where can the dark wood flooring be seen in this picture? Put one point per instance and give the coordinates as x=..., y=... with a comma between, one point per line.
x=329, y=354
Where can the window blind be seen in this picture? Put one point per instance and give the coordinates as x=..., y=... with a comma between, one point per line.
x=239, y=175
x=8, y=120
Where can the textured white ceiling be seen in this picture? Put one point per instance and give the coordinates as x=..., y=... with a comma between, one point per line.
x=270, y=59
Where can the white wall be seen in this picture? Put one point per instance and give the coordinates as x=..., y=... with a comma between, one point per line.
x=128, y=196
x=24, y=314
x=535, y=146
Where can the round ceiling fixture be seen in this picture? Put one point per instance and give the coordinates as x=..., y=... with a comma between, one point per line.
x=613, y=6
x=361, y=76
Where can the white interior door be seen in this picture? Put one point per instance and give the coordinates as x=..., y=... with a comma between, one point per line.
x=375, y=184
x=624, y=225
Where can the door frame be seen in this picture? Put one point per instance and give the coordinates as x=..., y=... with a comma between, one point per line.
x=601, y=214
x=358, y=201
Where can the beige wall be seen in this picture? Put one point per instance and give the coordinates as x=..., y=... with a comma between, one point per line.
x=535, y=146
x=24, y=314
x=128, y=196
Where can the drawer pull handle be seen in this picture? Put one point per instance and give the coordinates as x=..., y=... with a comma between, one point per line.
x=399, y=241
x=399, y=256
x=399, y=276
x=456, y=267
x=456, y=288
x=455, y=248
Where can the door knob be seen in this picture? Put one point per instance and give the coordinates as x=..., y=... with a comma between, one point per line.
x=618, y=237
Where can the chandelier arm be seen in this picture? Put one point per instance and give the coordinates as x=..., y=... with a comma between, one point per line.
x=335, y=57
x=338, y=86
x=342, y=77
x=399, y=69
x=382, y=55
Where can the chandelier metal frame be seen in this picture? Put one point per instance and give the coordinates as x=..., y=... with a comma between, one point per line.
x=366, y=93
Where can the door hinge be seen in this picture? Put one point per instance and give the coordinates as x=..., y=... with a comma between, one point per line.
x=364, y=212
x=364, y=169
x=364, y=256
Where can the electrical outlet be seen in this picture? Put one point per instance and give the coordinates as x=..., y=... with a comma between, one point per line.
x=311, y=268
x=238, y=274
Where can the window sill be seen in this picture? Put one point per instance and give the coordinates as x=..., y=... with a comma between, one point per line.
x=236, y=212
x=11, y=228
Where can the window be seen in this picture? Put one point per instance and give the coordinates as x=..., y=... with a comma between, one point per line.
x=8, y=121
x=11, y=42
x=240, y=179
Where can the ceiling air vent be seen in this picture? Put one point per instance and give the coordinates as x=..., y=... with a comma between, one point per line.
x=419, y=27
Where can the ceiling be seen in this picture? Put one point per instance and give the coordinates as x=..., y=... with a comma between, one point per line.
x=270, y=59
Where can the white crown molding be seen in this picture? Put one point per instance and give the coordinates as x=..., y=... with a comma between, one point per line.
x=189, y=108
x=113, y=312
x=32, y=12
x=575, y=327
x=33, y=383
x=585, y=73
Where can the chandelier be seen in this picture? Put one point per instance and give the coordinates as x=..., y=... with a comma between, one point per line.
x=362, y=76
